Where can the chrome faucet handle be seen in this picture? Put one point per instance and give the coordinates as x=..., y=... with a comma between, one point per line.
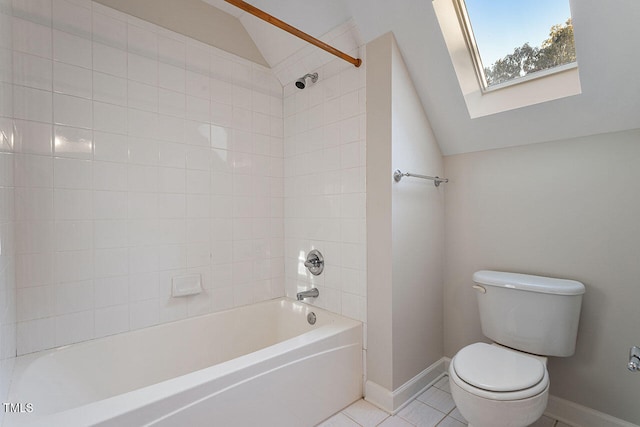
x=310, y=263
x=314, y=262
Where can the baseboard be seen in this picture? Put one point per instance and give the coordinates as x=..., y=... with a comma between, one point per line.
x=560, y=409
x=574, y=414
x=393, y=401
x=581, y=416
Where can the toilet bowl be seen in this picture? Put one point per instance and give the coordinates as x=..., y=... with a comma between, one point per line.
x=494, y=386
x=529, y=318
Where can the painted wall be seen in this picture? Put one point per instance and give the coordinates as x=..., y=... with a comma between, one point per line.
x=417, y=232
x=565, y=209
x=140, y=155
x=379, y=240
x=197, y=20
x=405, y=225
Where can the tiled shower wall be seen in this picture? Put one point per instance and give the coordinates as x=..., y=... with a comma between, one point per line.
x=140, y=155
x=325, y=181
x=7, y=212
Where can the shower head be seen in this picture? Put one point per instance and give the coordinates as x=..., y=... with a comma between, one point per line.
x=301, y=83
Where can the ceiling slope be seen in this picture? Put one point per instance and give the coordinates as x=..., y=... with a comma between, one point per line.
x=289, y=56
x=195, y=19
x=607, y=42
x=275, y=44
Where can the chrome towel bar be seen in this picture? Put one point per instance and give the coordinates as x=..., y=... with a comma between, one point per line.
x=398, y=174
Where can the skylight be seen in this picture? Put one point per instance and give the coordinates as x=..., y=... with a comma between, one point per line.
x=517, y=68
x=512, y=40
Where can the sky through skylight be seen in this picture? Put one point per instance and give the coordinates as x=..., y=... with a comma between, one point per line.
x=499, y=26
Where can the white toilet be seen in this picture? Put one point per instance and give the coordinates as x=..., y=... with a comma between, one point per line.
x=506, y=384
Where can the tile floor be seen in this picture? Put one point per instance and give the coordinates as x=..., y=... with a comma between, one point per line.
x=433, y=407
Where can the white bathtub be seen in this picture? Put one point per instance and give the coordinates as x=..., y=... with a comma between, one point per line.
x=259, y=365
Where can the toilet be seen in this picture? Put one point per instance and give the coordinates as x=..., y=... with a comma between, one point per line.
x=529, y=318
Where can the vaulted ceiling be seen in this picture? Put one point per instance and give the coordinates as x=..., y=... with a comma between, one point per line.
x=607, y=37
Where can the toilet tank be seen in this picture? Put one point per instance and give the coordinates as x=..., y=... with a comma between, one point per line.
x=534, y=314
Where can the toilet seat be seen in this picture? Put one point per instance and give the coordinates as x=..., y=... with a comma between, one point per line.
x=498, y=373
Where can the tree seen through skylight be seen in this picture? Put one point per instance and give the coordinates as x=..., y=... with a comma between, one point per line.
x=516, y=38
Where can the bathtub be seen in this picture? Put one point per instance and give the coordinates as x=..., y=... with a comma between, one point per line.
x=258, y=365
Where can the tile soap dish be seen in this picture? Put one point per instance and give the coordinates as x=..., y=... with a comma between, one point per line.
x=186, y=285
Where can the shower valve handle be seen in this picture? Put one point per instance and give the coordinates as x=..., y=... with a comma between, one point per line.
x=314, y=262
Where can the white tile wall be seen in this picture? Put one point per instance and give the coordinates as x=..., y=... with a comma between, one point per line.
x=140, y=154
x=325, y=188
x=8, y=176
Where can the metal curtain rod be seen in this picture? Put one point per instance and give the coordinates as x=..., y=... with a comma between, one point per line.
x=293, y=30
x=398, y=174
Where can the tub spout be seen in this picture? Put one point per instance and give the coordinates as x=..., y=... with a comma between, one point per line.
x=311, y=293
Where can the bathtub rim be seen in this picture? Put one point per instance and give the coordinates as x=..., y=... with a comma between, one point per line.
x=24, y=360
x=103, y=410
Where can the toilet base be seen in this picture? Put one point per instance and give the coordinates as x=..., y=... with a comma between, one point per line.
x=482, y=412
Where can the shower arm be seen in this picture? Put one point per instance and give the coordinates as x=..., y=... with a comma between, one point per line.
x=293, y=30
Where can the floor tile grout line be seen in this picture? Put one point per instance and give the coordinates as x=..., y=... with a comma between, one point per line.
x=347, y=415
x=433, y=407
x=443, y=418
x=445, y=415
x=352, y=419
x=420, y=401
x=450, y=412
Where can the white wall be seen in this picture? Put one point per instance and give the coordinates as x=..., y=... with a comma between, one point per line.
x=7, y=261
x=379, y=197
x=405, y=226
x=565, y=209
x=417, y=232
x=140, y=155
x=7, y=211
x=325, y=160
x=197, y=20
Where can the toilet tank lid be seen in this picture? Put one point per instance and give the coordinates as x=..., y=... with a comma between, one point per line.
x=527, y=282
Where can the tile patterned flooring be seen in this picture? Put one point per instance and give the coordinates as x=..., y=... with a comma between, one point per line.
x=433, y=407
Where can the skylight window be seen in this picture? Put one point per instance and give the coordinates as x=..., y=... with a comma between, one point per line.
x=510, y=54
x=511, y=40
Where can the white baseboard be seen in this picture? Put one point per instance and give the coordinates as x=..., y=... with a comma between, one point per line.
x=560, y=409
x=393, y=401
x=581, y=416
x=574, y=414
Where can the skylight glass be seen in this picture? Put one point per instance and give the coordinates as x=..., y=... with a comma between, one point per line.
x=514, y=39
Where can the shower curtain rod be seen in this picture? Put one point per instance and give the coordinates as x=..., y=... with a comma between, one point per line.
x=293, y=30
